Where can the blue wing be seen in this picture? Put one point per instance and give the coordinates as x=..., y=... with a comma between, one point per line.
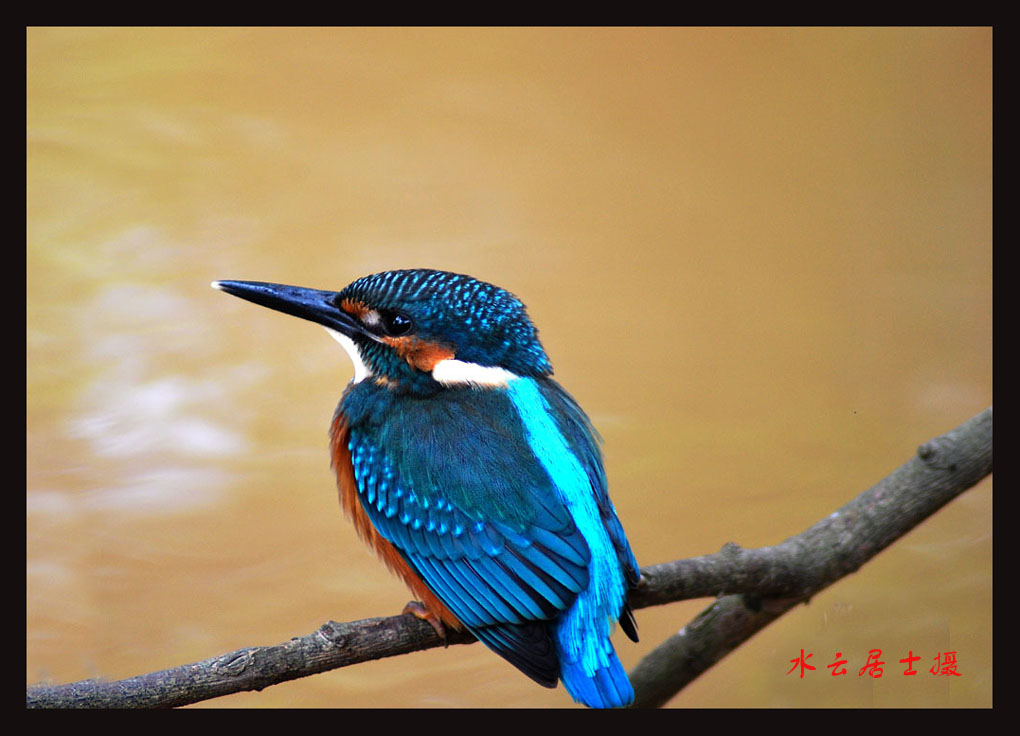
x=452, y=483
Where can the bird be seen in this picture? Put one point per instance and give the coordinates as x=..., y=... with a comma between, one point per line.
x=473, y=474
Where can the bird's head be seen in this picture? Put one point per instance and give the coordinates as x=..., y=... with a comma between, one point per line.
x=417, y=330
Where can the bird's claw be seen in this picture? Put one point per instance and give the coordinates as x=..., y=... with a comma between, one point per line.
x=419, y=611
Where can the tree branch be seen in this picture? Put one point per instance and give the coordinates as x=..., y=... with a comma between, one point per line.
x=758, y=586
x=755, y=587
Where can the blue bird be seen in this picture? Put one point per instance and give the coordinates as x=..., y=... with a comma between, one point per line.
x=473, y=474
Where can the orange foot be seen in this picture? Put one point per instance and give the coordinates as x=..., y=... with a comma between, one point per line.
x=416, y=609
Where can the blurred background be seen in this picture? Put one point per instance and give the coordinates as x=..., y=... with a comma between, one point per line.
x=760, y=258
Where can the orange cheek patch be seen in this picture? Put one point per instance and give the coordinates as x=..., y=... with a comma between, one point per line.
x=421, y=354
x=354, y=307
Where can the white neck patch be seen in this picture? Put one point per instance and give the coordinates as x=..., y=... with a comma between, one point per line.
x=449, y=372
x=452, y=372
x=361, y=371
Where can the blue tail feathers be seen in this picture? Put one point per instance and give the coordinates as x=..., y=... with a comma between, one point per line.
x=607, y=687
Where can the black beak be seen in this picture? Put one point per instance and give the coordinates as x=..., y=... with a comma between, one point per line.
x=317, y=306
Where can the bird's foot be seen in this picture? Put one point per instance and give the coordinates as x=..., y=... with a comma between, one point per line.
x=418, y=610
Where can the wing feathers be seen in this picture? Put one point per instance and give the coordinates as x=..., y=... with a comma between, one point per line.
x=478, y=517
x=528, y=647
x=488, y=572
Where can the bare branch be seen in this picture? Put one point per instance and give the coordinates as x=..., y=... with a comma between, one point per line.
x=763, y=584
x=756, y=587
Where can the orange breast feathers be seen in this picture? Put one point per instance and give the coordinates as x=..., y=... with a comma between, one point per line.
x=348, y=487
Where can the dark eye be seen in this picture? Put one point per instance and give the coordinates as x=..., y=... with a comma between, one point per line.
x=395, y=324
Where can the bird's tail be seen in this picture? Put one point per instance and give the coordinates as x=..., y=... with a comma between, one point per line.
x=605, y=687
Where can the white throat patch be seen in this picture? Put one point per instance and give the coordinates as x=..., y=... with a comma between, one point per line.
x=449, y=372
x=452, y=372
x=361, y=371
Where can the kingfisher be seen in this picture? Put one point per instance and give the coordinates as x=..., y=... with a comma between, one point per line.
x=473, y=474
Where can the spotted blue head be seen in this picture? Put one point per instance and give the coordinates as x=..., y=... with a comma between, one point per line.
x=417, y=330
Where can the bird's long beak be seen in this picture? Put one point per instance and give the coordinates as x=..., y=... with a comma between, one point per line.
x=317, y=306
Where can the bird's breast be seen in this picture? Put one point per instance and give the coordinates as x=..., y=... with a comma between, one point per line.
x=350, y=503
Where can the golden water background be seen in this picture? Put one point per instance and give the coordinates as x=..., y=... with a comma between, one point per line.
x=759, y=258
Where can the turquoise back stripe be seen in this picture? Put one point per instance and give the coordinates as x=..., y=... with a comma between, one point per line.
x=584, y=630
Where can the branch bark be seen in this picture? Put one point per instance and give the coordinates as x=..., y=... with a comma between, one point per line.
x=756, y=587
x=753, y=588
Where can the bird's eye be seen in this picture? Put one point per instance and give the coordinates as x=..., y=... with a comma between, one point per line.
x=395, y=324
